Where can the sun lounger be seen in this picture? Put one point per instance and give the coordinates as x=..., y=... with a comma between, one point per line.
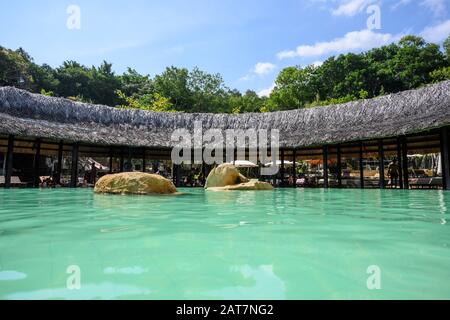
x=435, y=182
x=15, y=181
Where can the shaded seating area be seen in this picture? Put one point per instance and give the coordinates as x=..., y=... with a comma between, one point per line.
x=349, y=145
x=15, y=182
x=426, y=183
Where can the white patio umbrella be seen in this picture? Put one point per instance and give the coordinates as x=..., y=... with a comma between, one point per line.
x=243, y=164
x=87, y=164
x=278, y=163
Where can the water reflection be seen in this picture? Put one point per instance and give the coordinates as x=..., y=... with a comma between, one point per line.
x=11, y=275
x=105, y=290
x=263, y=284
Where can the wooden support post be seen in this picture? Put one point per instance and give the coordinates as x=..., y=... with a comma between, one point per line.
x=174, y=180
x=224, y=156
x=399, y=162
x=275, y=175
x=294, y=168
x=129, y=166
x=177, y=171
x=74, y=173
x=339, y=166
x=405, y=164
x=381, y=163
x=121, y=160
x=325, y=166
x=361, y=166
x=445, y=159
x=59, y=166
x=143, y=160
x=203, y=181
x=36, y=163
x=110, y=160
x=9, y=162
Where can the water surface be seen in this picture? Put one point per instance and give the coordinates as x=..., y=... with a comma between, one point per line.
x=282, y=244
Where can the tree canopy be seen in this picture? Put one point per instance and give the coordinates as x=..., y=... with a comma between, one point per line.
x=408, y=64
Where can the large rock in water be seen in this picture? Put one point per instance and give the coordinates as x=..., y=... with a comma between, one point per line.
x=134, y=183
x=226, y=177
x=251, y=185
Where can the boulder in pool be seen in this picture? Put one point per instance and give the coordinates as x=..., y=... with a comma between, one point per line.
x=226, y=177
x=134, y=183
x=251, y=185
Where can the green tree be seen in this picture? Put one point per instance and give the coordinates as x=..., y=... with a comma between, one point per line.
x=440, y=74
x=103, y=84
x=446, y=46
x=415, y=60
x=15, y=69
x=173, y=84
x=408, y=64
x=295, y=87
x=207, y=91
x=155, y=102
x=73, y=80
x=134, y=84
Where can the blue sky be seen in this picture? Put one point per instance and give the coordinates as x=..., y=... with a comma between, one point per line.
x=247, y=41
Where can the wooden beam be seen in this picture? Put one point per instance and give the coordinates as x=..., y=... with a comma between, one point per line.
x=361, y=166
x=74, y=171
x=129, y=165
x=9, y=162
x=59, y=165
x=294, y=168
x=177, y=171
x=174, y=180
x=400, y=164
x=203, y=168
x=121, y=160
x=36, y=162
x=339, y=166
x=445, y=159
x=381, y=164
x=110, y=160
x=405, y=163
x=325, y=167
x=143, y=160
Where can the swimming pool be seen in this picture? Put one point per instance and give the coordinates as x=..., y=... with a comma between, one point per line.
x=282, y=244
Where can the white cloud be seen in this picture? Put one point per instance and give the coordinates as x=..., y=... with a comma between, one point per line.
x=352, y=41
x=317, y=63
x=399, y=4
x=436, y=6
x=437, y=33
x=266, y=92
x=262, y=68
x=351, y=7
x=247, y=77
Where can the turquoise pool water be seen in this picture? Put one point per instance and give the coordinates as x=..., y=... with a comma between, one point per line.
x=285, y=244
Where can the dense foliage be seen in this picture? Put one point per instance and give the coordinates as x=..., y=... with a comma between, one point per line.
x=408, y=64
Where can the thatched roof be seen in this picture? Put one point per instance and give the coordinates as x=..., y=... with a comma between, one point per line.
x=33, y=115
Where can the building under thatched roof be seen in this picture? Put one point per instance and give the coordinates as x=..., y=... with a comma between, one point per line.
x=33, y=115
